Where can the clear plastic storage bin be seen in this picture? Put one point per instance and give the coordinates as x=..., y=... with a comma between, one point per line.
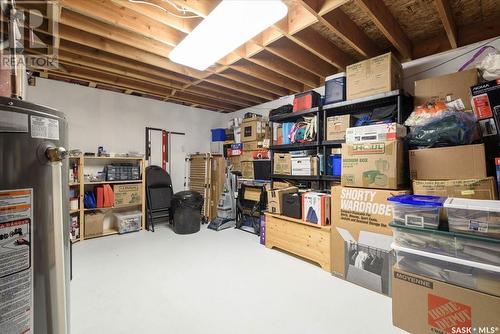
x=474, y=216
x=417, y=210
x=128, y=221
x=468, y=274
x=459, y=245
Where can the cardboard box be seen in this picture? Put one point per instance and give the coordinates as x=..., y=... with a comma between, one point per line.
x=252, y=130
x=424, y=305
x=446, y=88
x=471, y=188
x=282, y=164
x=94, y=224
x=235, y=162
x=247, y=169
x=360, y=219
x=316, y=208
x=281, y=184
x=234, y=150
x=275, y=199
x=127, y=194
x=376, y=132
x=373, y=76
x=448, y=163
x=247, y=155
x=486, y=99
x=374, y=165
x=336, y=126
x=305, y=166
x=253, y=145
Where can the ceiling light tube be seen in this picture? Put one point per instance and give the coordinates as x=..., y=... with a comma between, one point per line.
x=228, y=26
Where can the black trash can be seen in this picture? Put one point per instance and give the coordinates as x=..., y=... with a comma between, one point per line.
x=186, y=207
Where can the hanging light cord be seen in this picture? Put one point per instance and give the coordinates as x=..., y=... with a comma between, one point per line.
x=180, y=9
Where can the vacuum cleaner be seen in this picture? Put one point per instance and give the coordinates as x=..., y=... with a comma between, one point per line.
x=226, y=208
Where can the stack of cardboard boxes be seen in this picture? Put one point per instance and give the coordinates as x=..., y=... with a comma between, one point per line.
x=255, y=138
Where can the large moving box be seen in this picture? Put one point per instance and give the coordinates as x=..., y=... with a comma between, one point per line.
x=275, y=199
x=470, y=188
x=373, y=76
x=446, y=87
x=448, y=163
x=361, y=237
x=373, y=165
x=427, y=306
x=252, y=130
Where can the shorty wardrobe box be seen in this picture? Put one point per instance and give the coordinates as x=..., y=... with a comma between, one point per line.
x=361, y=236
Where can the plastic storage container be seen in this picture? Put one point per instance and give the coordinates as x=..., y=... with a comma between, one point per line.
x=474, y=216
x=417, y=210
x=128, y=221
x=468, y=274
x=218, y=134
x=459, y=245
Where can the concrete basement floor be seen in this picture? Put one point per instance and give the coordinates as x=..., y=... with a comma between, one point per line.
x=212, y=282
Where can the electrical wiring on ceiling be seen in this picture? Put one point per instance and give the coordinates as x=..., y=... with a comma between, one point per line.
x=180, y=9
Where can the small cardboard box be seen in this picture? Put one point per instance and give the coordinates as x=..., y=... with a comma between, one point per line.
x=305, y=166
x=471, y=188
x=253, y=145
x=336, y=126
x=247, y=169
x=427, y=306
x=373, y=165
x=252, y=130
x=127, y=194
x=316, y=208
x=486, y=99
x=448, y=163
x=446, y=88
x=247, y=155
x=373, y=76
x=234, y=150
x=275, y=199
x=282, y=164
x=375, y=132
x=235, y=162
x=94, y=224
x=281, y=184
x=360, y=224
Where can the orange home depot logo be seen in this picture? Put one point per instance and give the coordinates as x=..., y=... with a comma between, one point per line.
x=444, y=315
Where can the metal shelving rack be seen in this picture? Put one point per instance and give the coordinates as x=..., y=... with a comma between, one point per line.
x=404, y=106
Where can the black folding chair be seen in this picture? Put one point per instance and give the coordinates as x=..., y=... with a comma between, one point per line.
x=159, y=194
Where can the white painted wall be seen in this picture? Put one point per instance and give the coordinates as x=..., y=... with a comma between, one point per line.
x=435, y=65
x=118, y=121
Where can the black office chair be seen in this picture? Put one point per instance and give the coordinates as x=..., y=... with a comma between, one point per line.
x=159, y=194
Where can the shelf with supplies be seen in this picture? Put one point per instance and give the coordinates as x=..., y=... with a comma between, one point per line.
x=78, y=186
x=333, y=143
x=294, y=147
x=296, y=177
x=294, y=115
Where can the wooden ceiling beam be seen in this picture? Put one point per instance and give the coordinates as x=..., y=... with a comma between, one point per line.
x=120, y=16
x=286, y=69
x=254, y=82
x=185, y=25
x=199, y=7
x=387, y=24
x=296, y=55
x=446, y=15
x=220, y=81
x=323, y=6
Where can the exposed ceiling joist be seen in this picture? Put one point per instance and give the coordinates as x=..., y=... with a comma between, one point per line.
x=254, y=82
x=445, y=13
x=387, y=24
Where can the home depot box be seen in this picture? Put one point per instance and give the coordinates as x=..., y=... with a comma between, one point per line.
x=275, y=199
x=360, y=219
x=305, y=166
x=127, y=194
x=252, y=130
x=316, y=208
x=247, y=169
x=423, y=305
x=94, y=224
x=448, y=163
x=373, y=165
x=373, y=76
x=375, y=132
x=337, y=125
x=446, y=88
x=486, y=99
x=471, y=188
x=282, y=164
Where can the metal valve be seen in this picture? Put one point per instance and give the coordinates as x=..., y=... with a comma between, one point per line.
x=55, y=154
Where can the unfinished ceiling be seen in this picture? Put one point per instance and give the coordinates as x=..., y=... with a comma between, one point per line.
x=122, y=45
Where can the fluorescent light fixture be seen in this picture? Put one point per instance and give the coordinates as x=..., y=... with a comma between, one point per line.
x=229, y=25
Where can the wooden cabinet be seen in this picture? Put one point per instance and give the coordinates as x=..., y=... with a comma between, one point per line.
x=306, y=240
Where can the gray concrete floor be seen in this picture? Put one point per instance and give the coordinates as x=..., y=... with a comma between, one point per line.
x=212, y=282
